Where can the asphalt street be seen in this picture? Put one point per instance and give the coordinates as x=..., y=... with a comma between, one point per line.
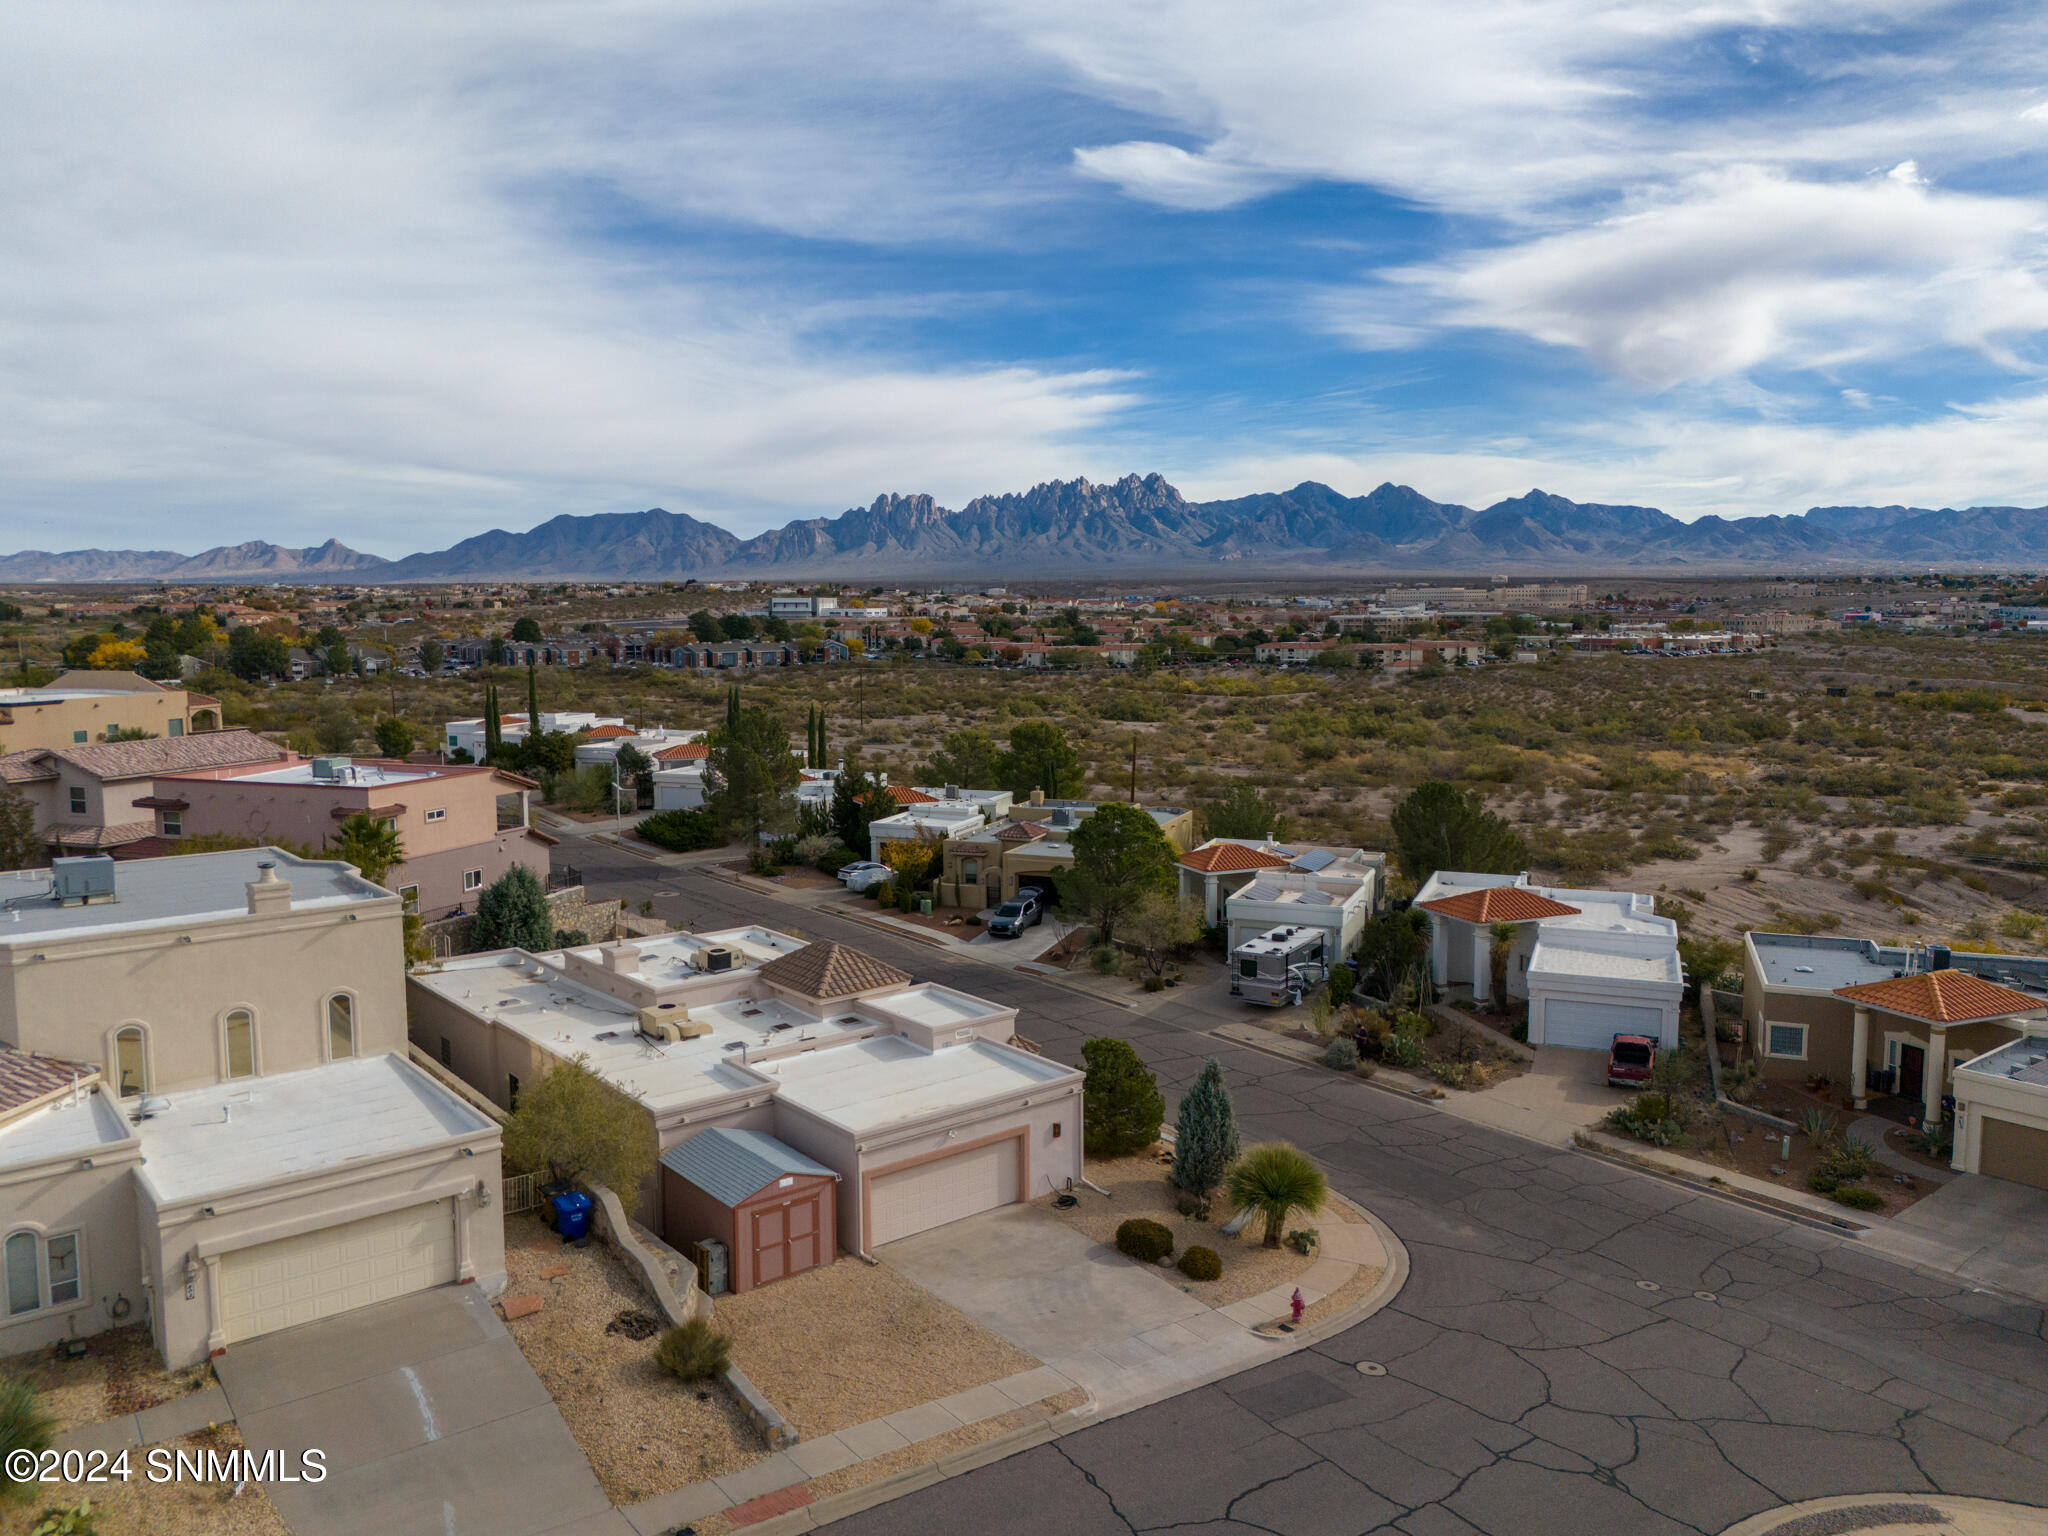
x=1579, y=1349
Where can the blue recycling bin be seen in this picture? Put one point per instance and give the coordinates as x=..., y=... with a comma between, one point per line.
x=572, y=1215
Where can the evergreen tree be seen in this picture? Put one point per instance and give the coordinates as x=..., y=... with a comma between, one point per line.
x=751, y=771
x=732, y=706
x=1205, y=1133
x=494, y=736
x=1121, y=1109
x=512, y=912
x=1439, y=826
x=532, y=700
x=824, y=746
x=1120, y=859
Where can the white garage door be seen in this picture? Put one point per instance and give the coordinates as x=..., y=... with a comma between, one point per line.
x=1593, y=1026
x=317, y=1274
x=943, y=1190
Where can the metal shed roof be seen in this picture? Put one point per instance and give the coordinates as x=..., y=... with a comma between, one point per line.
x=731, y=1165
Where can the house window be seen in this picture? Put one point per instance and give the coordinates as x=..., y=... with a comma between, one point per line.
x=41, y=1272
x=410, y=895
x=447, y=1052
x=1787, y=1040
x=175, y=727
x=240, y=1031
x=77, y=800
x=970, y=871
x=440, y=815
x=78, y=737
x=511, y=1091
x=341, y=1026
x=131, y=1072
x=174, y=823
x=472, y=879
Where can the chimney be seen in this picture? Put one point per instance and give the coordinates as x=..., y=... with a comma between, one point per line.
x=268, y=892
x=1038, y=797
x=620, y=959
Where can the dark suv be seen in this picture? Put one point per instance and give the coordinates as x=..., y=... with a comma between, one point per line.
x=1014, y=916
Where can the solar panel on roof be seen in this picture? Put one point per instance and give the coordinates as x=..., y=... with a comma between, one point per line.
x=1317, y=899
x=1259, y=890
x=1315, y=859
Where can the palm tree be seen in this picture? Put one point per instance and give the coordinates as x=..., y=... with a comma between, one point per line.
x=1276, y=1179
x=371, y=844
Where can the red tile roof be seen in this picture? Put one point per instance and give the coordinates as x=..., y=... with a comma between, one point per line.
x=1942, y=997
x=607, y=732
x=687, y=752
x=1499, y=904
x=1219, y=858
x=26, y=1077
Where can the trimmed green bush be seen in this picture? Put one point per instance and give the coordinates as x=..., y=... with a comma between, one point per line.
x=1199, y=1263
x=693, y=1351
x=1145, y=1240
x=1821, y=1184
x=1860, y=1199
x=1121, y=1110
x=682, y=831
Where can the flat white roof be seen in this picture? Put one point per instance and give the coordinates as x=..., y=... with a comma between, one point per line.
x=888, y=1080
x=1562, y=960
x=929, y=1003
x=197, y=887
x=352, y=776
x=63, y=1129
x=260, y=1129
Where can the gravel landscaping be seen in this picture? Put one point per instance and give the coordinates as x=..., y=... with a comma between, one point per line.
x=139, y=1507
x=1137, y=1187
x=837, y=1346
x=121, y=1372
x=643, y=1431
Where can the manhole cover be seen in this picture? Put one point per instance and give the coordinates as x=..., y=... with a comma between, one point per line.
x=1371, y=1368
x=1704, y=1296
x=668, y=893
x=1648, y=1285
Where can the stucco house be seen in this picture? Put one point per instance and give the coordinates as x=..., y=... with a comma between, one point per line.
x=93, y=798
x=1216, y=870
x=208, y=1123
x=2002, y=1111
x=80, y=707
x=1029, y=849
x=1880, y=1019
x=908, y=1094
x=1592, y=964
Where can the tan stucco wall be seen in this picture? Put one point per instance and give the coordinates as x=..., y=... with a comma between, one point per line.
x=97, y=1203
x=282, y=967
x=57, y=724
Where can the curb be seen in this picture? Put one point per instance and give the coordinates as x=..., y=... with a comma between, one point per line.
x=1837, y=1225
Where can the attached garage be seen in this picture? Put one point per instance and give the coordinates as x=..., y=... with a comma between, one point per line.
x=934, y=1190
x=2009, y=1150
x=318, y=1274
x=1584, y=1025
x=774, y=1208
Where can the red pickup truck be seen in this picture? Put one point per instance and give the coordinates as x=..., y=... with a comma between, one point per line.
x=1629, y=1061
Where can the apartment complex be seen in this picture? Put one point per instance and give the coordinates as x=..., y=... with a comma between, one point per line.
x=207, y=1119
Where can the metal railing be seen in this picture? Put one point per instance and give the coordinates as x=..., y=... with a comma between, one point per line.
x=522, y=1193
x=567, y=875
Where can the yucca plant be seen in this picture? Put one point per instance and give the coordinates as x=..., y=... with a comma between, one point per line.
x=1277, y=1179
x=24, y=1426
x=1819, y=1126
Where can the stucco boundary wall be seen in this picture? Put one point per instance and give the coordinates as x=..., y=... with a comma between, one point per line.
x=1709, y=997
x=568, y=908
x=680, y=1305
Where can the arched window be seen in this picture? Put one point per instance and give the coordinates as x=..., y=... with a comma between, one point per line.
x=24, y=1275
x=131, y=1066
x=341, y=1026
x=240, y=1032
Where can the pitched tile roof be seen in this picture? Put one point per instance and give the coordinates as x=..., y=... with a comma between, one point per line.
x=1942, y=997
x=1020, y=832
x=905, y=795
x=1500, y=904
x=607, y=732
x=101, y=837
x=1219, y=858
x=29, y=767
x=687, y=752
x=26, y=1077
x=825, y=969
x=170, y=754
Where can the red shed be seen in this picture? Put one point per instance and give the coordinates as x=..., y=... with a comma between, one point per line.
x=775, y=1209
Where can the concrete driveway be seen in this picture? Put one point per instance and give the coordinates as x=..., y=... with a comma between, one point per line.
x=1564, y=1091
x=1992, y=1232
x=431, y=1420
x=1128, y=1335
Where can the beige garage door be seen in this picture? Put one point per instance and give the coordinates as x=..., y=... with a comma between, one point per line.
x=943, y=1190
x=317, y=1274
x=2016, y=1152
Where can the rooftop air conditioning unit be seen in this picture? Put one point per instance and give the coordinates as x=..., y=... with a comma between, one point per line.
x=329, y=768
x=671, y=1021
x=82, y=880
x=718, y=957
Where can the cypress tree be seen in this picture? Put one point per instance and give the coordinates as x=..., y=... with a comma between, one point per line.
x=532, y=702
x=491, y=736
x=1205, y=1133
x=824, y=749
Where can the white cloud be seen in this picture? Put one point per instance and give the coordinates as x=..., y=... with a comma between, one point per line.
x=1746, y=268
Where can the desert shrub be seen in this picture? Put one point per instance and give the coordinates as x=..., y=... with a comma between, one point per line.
x=1342, y=983
x=1822, y=1184
x=762, y=861
x=1848, y=1160
x=570, y=938
x=1402, y=1049
x=1741, y=1081
x=1276, y=1179
x=1819, y=1125
x=1303, y=1240
x=682, y=831
x=693, y=1351
x=24, y=1426
x=1200, y=1263
x=1651, y=1117
x=1341, y=1054
x=1104, y=960
x=830, y=863
x=809, y=850
x=1154, y=984
x=882, y=893
x=1451, y=1074
x=1859, y=1199
x=1144, y=1239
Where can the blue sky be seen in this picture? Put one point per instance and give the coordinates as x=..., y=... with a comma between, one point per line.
x=400, y=273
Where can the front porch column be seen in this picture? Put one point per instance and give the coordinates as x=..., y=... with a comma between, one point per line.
x=1937, y=1062
x=1859, y=1059
x=1209, y=913
x=1482, y=963
x=216, y=1325
x=1440, y=950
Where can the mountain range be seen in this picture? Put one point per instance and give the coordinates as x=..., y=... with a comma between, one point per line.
x=1075, y=528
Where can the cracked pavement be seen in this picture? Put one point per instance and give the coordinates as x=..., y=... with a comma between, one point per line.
x=1549, y=1366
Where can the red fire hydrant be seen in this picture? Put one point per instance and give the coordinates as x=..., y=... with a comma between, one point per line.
x=1297, y=1305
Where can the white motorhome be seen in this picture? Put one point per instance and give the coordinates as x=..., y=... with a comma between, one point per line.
x=1280, y=966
